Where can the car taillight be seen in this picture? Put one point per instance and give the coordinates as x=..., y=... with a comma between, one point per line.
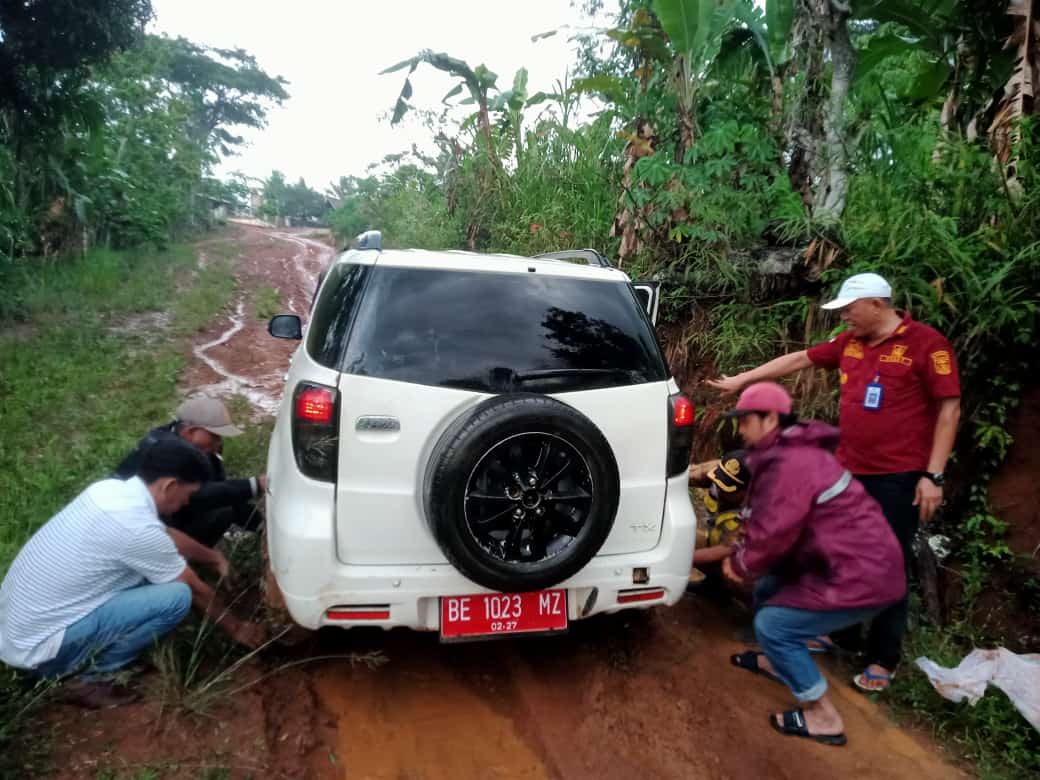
x=680, y=433
x=682, y=411
x=315, y=430
x=314, y=405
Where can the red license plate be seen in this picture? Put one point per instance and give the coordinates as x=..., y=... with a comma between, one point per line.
x=494, y=614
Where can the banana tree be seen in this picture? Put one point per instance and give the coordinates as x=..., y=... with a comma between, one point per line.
x=769, y=28
x=1019, y=96
x=685, y=36
x=511, y=104
x=694, y=30
x=478, y=81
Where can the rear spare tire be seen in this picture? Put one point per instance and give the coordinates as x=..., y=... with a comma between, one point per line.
x=521, y=492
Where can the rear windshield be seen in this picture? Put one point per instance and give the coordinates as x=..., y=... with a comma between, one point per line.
x=501, y=333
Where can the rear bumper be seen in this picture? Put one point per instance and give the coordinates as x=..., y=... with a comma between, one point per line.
x=313, y=581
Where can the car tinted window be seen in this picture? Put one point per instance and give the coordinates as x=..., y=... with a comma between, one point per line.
x=502, y=332
x=330, y=322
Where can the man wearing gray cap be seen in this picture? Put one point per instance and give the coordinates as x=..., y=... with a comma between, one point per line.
x=203, y=422
x=899, y=410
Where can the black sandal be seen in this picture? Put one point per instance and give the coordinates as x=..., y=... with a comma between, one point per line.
x=749, y=660
x=794, y=726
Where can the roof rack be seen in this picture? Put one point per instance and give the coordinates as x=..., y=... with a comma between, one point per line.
x=590, y=256
x=370, y=239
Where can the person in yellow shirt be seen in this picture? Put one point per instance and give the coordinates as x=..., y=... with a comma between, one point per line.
x=723, y=487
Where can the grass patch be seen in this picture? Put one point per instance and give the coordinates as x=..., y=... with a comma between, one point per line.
x=246, y=455
x=212, y=289
x=267, y=302
x=77, y=393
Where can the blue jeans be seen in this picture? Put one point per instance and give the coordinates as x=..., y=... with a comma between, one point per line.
x=115, y=633
x=783, y=631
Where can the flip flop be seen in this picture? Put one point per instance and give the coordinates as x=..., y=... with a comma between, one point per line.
x=794, y=726
x=749, y=660
x=867, y=675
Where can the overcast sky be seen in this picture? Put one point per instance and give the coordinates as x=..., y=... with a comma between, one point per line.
x=331, y=52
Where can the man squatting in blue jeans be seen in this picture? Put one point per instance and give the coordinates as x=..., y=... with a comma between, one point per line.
x=103, y=579
x=818, y=546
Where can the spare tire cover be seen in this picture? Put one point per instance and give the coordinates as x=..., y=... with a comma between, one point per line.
x=521, y=492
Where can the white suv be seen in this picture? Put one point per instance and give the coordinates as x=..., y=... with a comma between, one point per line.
x=477, y=445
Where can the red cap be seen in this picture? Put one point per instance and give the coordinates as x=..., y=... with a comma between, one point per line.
x=762, y=397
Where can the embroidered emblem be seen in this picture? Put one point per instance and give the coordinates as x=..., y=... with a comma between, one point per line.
x=898, y=355
x=853, y=350
x=941, y=363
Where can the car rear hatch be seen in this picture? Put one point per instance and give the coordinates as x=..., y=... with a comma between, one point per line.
x=428, y=343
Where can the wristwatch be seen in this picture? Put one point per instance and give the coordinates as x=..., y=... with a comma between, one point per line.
x=938, y=479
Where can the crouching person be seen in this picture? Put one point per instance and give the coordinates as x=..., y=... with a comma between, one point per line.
x=103, y=579
x=819, y=547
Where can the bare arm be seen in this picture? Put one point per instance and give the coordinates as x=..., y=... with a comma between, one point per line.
x=774, y=369
x=945, y=434
x=712, y=554
x=928, y=496
x=197, y=552
x=206, y=600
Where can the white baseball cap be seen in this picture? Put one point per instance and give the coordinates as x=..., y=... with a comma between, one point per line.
x=860, y=286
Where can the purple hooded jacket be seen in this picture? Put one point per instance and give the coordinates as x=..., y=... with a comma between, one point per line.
x=815, y=527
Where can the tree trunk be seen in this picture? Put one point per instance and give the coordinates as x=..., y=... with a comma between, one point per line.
x=687, y=134
x=833, y=188
x=804, y=129
x=686, y=106
x=484, y=120
x=776, y=113
x=816, y=133
x=630, y=218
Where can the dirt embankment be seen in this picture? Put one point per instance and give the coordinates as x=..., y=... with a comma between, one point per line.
x=646, y=695
x=1015, y=492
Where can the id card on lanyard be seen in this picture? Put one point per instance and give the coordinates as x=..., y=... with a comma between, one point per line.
x=872, y=397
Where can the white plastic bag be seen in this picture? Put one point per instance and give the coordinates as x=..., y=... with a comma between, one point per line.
x=1016, y=675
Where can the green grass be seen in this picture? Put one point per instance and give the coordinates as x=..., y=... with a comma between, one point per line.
x=267, y=302
x=80, y=384
x=210, y=290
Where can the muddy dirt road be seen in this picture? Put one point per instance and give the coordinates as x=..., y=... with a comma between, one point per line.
x=646, y=695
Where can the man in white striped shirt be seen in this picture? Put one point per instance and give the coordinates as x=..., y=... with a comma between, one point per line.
x=103, y=579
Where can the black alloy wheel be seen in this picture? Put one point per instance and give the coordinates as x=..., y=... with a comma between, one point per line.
x=528, y=497
x=521, y=492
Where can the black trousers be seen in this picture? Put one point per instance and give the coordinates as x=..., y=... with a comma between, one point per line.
x=208, y=527
x=895, y=493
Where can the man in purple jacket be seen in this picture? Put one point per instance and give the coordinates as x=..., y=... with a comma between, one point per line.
x=818, y=545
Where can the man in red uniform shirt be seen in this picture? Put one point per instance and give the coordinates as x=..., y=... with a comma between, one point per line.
x=900, y=405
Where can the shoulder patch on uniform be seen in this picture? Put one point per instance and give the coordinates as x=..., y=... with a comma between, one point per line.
x=941, y=362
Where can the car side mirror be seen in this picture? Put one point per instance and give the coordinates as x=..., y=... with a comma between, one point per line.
x=285, y=326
